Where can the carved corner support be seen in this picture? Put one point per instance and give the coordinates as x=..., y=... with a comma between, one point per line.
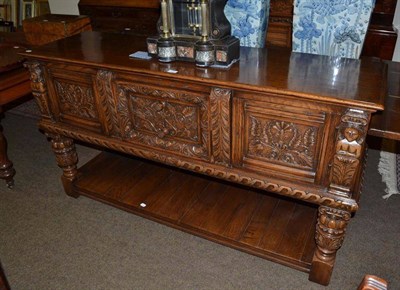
x=39, y=87
x=347, y=160
x=67, y=160
x=220, y=101
x=329, y=236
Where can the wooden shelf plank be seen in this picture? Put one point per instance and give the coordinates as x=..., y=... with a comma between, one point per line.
x=253, y=221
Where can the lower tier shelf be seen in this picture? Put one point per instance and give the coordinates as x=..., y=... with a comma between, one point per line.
x=274, y=228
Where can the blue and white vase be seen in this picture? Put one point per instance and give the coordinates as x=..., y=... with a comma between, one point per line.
x=249, y=20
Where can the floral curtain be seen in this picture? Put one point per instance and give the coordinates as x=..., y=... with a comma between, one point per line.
x=331, y=27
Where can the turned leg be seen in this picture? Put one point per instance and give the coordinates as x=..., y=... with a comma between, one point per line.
x=67, y=160
x=7, y=171
x=329, y=235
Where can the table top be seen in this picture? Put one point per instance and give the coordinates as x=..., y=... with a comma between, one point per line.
x=11, y=44
x=9, y=57
x=341, y=81
x=14, y=78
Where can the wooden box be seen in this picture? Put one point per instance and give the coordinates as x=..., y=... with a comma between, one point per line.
x=50, y=27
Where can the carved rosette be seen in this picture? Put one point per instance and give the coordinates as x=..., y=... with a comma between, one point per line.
x=39, y=87
x=171, y=120
x=349, y=147
x=220, y=100
x=330, y=232
x=283, y=142
x=104, y=89
x=65, y=152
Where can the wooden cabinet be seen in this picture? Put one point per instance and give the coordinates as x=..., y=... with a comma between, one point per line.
x=293, y=144
x=380, y=40
x=280, y=23
x=137, y=17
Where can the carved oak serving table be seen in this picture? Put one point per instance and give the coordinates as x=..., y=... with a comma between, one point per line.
x=286, y=130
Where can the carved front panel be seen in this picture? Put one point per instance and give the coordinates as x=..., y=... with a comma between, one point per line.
x=76, y=99
x=171, y=120
x=165, y=118
x=73, y=96
x=280, y=140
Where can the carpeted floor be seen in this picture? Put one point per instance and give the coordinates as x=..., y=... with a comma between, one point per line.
x=51, y=241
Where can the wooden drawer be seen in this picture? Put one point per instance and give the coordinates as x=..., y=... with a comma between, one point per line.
x=279, y=139
x=164, y=118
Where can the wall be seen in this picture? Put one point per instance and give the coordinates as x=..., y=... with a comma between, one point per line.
x=64, y=7
x=396, y=24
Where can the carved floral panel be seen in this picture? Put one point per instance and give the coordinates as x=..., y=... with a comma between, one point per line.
x=166, y=119
x=172, y=120
x=76, y=100
x=282, y=142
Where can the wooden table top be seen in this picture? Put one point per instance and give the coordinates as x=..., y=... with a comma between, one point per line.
x=349, y=82
x=14, y=78
x=9, y=57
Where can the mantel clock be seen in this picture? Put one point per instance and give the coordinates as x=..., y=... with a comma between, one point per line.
x=194, y=30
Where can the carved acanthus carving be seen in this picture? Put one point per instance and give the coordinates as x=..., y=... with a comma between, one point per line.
x=170, y=120
x=349, y=146
x=105, y=92
x=330, y=232
x=283, y=142
x=39, y=87
x=76, y=99
x=221, y=125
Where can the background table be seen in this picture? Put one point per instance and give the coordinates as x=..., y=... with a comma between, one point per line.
x=14, y=84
